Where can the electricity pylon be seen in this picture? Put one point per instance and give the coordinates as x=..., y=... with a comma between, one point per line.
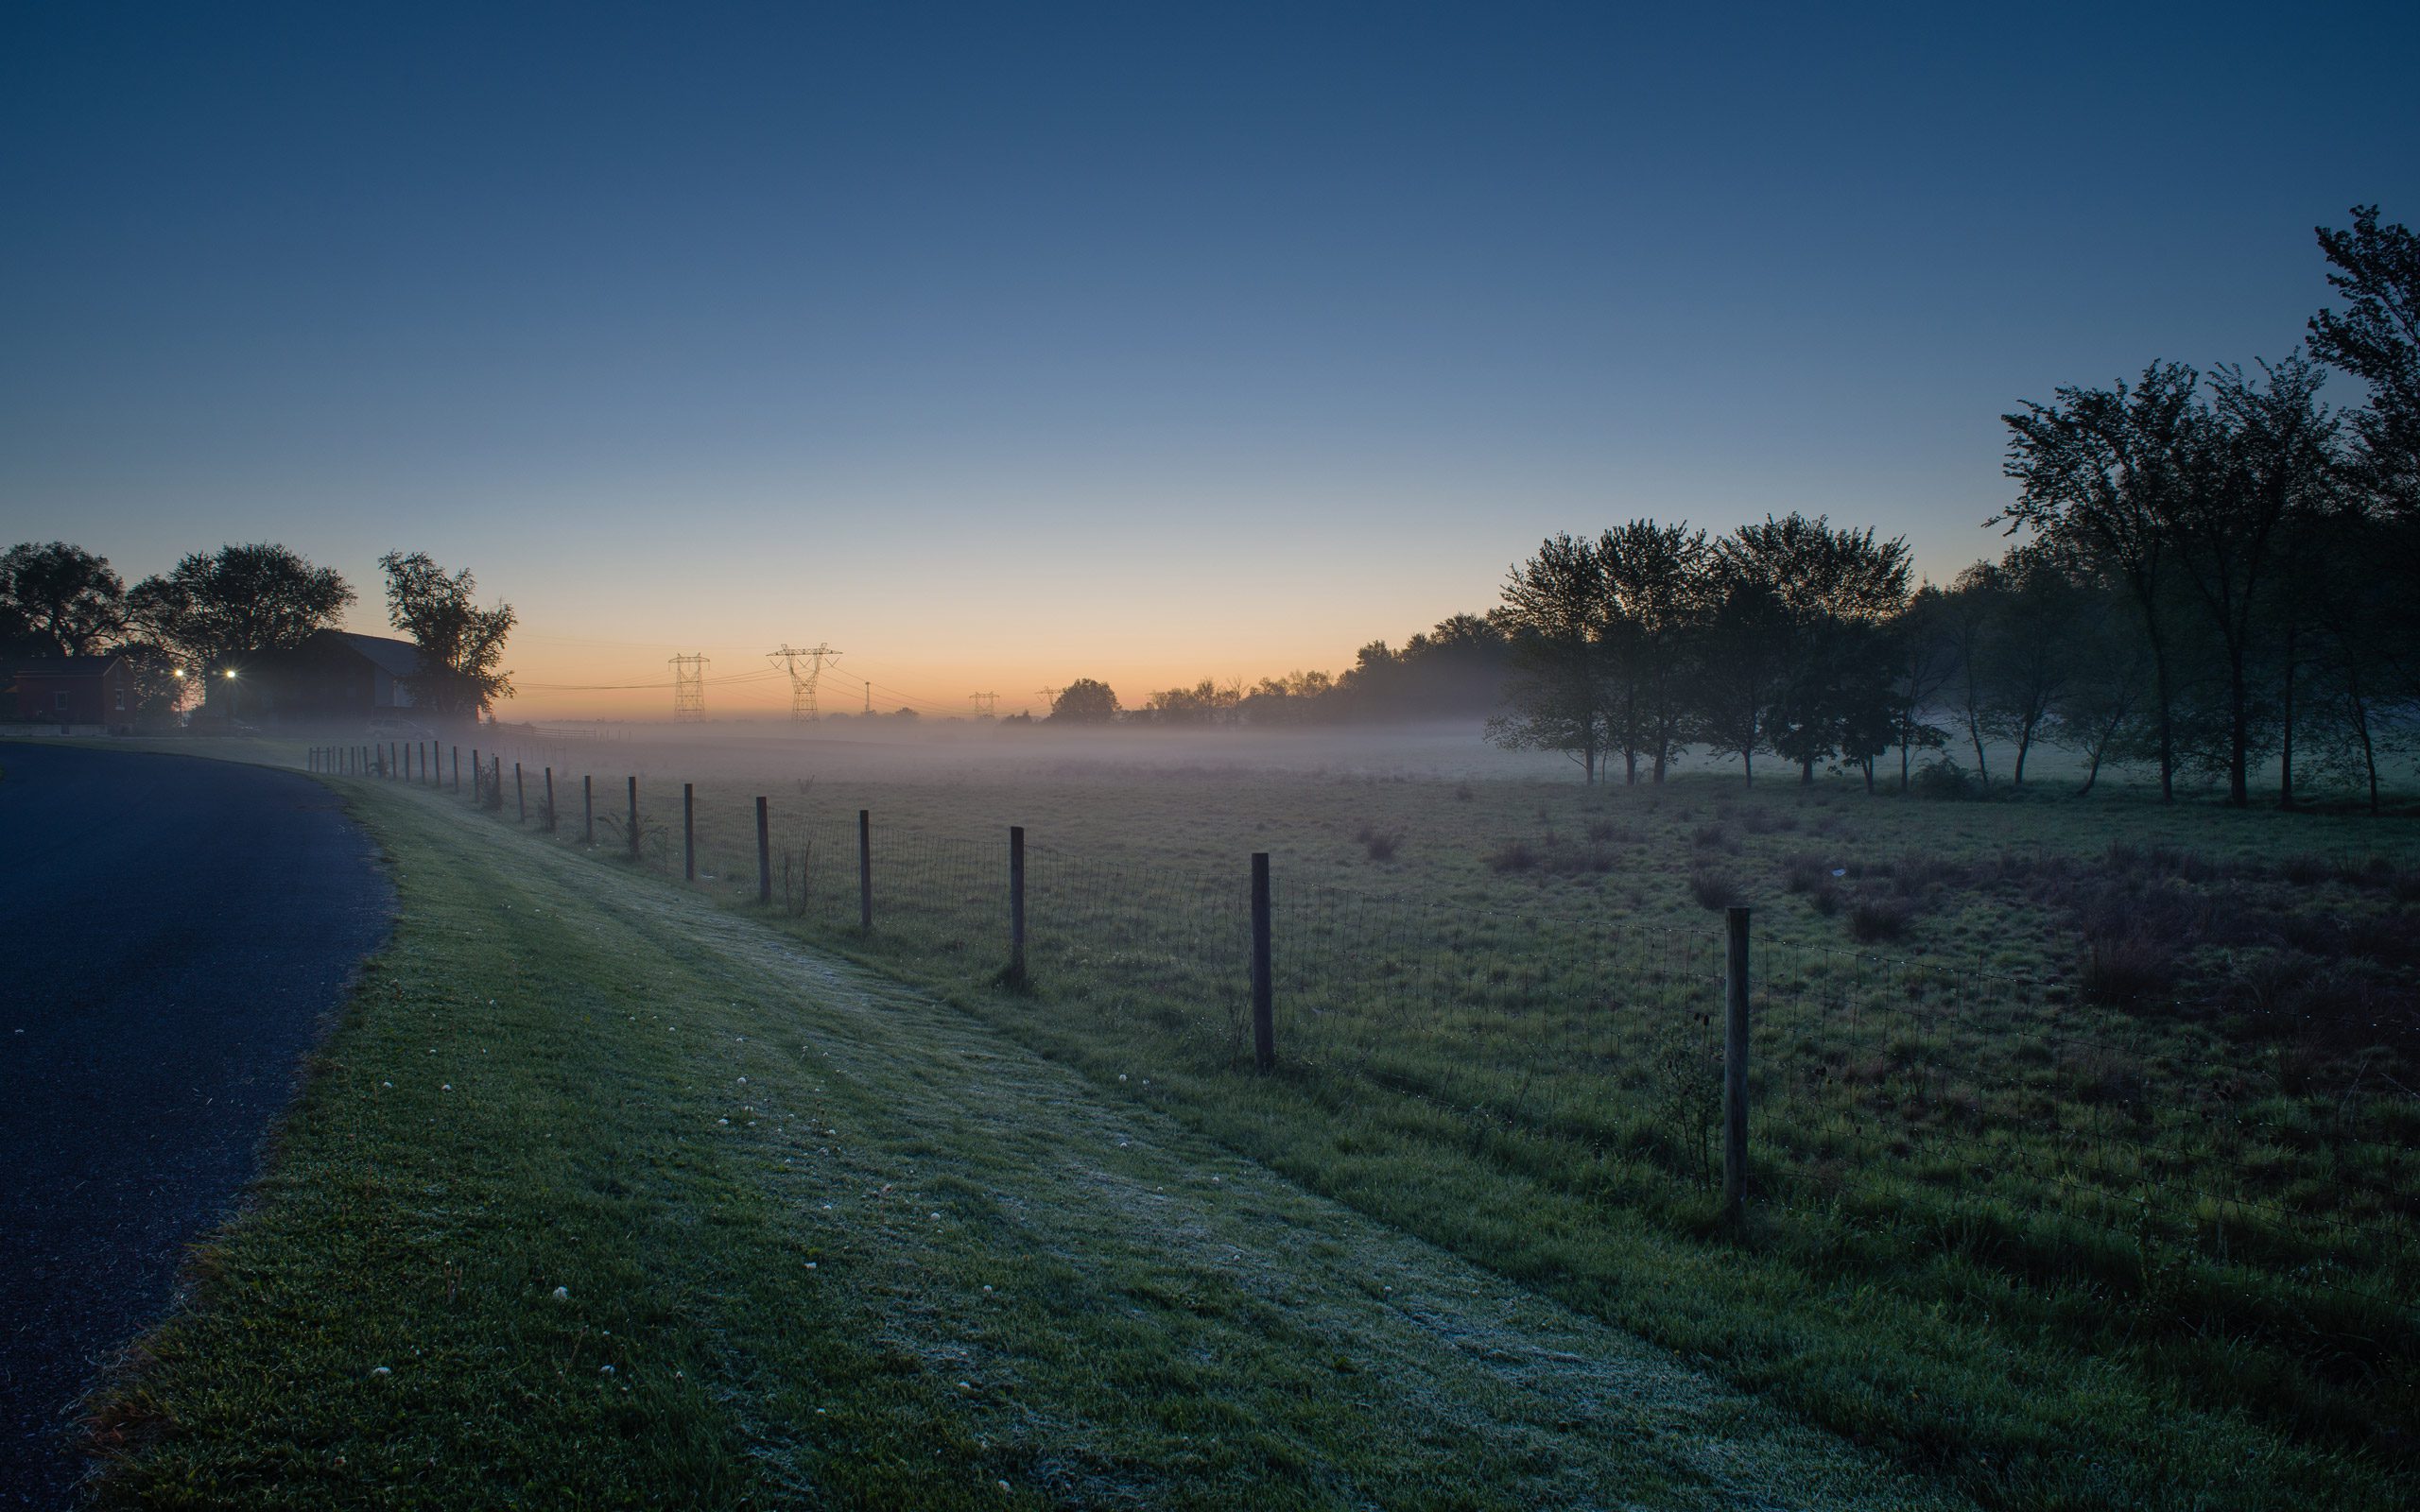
x=689, y=689
x=802, y=683
x=986, y=704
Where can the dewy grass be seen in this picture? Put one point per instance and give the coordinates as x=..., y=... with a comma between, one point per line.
x=598, y=1197
x=2071, y=1256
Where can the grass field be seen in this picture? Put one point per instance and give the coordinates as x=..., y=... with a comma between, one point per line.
x=599, y=1196
x=2085, y=1130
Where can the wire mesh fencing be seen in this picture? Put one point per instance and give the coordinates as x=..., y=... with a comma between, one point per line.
x=1901, y=1111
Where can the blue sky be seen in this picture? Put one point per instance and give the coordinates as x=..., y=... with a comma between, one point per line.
x=1014, y=344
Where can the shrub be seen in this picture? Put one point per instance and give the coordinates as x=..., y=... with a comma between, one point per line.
x=1712, y=889
x=1380, y=844
x=1713, y=837
x=1804, y=874
x=1606, y=830
x=1825, y=899
x=1513, y=855
x=1872, y=919
x=1941, y=779
x=2123, y=969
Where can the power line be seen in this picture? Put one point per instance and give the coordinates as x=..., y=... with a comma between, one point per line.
x=689, y=689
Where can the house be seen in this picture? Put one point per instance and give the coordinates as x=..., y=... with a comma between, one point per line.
x=332, y=675
x=79, y=695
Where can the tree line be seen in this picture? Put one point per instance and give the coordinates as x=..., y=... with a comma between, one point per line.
x=2212, y=572
x=214, y=612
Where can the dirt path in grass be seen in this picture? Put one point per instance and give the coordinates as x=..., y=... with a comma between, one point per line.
x=1124, y=1311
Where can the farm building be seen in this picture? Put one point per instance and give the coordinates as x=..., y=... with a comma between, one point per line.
x=82, y=694
x=333, y=675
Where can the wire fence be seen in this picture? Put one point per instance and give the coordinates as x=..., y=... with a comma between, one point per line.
x=1941, y=1114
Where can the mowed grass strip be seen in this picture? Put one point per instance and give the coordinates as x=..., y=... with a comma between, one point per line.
x=598, y=1197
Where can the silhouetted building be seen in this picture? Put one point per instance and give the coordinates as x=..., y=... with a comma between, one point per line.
x=333, y=675
x=75, y=693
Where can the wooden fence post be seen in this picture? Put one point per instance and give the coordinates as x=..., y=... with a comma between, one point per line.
x=764, y=855
x=478, y=777
x=550, y=800
x=689, y=832
x=519, y=797
x=1016, y=905
x=1735, y=1065
x=865, y=870
x=1264, y=987
x=587, y=812
x=634, y=819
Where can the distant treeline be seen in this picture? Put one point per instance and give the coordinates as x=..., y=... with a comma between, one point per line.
x=2213, y=574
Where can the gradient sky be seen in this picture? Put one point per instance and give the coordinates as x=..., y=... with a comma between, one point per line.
x=997, y=346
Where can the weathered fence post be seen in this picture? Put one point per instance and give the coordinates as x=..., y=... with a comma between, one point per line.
x=634, y=819
x=519, y=797
x=394, y=760
x=1735, y=1065
x=1016, y=905
x=1264, y=986
x=478, y=777
x=458, y=768
x=764, y=855
x=550, y=800
x=587, y=812
x=865, y=870
x=689, y=832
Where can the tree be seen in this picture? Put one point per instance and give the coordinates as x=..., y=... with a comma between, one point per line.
x=2097, y=712
x=1919, y=652
x=1830, y=589
x=60, y=598
x=461, y=645
x=2271, y=463
x=211, y=610
x=2103, y=473
x=1655, y=577
x=2025, y=661
x=1085, y=702
x=2376, y=339
x=1739, y=668
x=1557, y=614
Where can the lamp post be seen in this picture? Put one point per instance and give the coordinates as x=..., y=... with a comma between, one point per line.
x=231, y=700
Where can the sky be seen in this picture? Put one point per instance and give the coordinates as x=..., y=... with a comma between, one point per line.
x=997, y=346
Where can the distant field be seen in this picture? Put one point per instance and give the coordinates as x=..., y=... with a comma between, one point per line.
x=2085, y=1131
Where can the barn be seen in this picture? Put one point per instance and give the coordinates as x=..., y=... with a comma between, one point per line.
x=332, y=675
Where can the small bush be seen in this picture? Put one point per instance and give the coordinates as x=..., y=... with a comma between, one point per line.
x=1804, y=874
x=2123, y=969
x=1942, y=780
x=1825, y=899
x=1713, y=837
x=1513, y=855
x=1713, y=889
x=1606, y=830
x=1380, y=844
x=1873, y=919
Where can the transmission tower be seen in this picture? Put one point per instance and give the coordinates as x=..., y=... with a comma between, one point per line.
x=1049, y=699
x=802, y=683
x=688, y=690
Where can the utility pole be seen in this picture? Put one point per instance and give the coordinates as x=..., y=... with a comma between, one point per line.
x=689, y=689
x=986, y=704
x=1049, y=699
x=802, y=683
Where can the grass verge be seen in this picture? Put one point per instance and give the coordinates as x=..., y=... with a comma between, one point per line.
x=598, y=1197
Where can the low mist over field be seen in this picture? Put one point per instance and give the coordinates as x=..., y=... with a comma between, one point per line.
x=1461, y=758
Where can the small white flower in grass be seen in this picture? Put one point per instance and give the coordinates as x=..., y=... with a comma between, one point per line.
x=724, y=1121
x=743, y=1082
x=387, y=1084
x=562, y=1293
x=986, y=1288
x=810, y=1265
x=382, y=1370
x=605, y=1369
x=447, y=1088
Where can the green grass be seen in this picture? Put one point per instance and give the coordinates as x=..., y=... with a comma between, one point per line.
x=823, y=1241
x=2061, y=1252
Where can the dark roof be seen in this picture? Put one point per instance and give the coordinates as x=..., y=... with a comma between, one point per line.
x=399, y=659
x=65, y=666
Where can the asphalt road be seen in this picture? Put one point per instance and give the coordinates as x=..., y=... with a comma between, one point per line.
x=173, y=934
